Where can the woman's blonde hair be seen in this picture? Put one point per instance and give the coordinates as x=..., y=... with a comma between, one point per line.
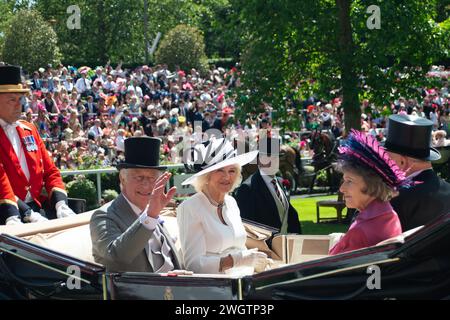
x=202, y=181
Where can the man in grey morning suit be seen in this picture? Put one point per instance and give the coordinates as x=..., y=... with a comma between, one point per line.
x=129, y=235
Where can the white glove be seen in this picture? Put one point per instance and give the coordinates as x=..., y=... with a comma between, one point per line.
x=251, y=258
x=63, y=210
x=34, y=217
x=14, y=220
x=181, y=272
x=335, y=238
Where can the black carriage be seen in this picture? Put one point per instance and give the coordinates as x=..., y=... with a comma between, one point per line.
x=44, y=264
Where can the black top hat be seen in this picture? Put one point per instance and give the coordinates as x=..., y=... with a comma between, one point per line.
x=141, y=152
x=270, y=146
x=411, y=136
x=10, y=81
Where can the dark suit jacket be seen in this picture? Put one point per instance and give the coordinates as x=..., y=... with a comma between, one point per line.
x=94, y=107
x=36, y=84
x=256, y=203
x=420, y=204
x=217, y=124
x=120, y=241
x=146, y=90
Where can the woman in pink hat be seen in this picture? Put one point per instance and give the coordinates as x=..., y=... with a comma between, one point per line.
x=371, y=179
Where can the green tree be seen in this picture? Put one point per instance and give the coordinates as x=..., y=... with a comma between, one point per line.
x=222, y=36
x=115, y=29
x=109, y=30
x=184, y=47
x=109, y=195
x=213, y=17
x=83, y=188
x=30, y=42
x=123, y=29
x=293, y=49
x=7, y=9
x=443, y=10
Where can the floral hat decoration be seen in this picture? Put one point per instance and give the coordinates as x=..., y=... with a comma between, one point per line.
x=365, y=151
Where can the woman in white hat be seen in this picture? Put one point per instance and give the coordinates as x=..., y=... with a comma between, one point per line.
x=212, y=235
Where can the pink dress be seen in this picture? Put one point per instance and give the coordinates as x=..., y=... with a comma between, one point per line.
x=374, y=224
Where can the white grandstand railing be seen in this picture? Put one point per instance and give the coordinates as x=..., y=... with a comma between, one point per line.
x=98, y=173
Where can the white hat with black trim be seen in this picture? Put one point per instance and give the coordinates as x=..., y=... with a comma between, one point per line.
x=213, y=155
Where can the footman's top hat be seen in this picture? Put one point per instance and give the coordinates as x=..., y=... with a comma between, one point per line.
x=10, y=81
x=141, y=153
x=411, y=136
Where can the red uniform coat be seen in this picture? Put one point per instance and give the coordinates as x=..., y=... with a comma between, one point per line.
x=6, y=193
x=43, y=171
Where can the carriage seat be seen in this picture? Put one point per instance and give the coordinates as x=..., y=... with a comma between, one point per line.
x=70, y=235
x=75, y=239
x=74, y=242
x=400, y=238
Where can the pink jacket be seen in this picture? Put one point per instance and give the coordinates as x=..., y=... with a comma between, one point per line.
x=374, y=224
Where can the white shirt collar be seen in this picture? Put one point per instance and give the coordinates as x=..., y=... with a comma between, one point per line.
x=134, y=207
x=5, y=124
x=264, y=173
x=138, y=211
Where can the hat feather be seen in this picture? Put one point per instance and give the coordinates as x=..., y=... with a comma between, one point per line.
x=366, y=150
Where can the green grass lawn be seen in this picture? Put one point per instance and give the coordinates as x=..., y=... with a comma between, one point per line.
x=306, y=208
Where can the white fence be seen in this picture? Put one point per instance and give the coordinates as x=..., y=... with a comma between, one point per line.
x=178, y=179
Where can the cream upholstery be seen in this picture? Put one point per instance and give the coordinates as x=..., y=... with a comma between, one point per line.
x=49, y=226
x=400, y=238
x=75, y=242
x=70, y=235
x=74, y=239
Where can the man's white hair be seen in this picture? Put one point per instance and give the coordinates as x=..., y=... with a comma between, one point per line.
x=123, y=174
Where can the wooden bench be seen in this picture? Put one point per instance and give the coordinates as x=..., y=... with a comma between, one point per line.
x=338, y=204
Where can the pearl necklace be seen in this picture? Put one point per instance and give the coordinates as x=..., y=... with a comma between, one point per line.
x=214, y=203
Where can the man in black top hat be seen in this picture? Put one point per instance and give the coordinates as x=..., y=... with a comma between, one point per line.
x=26, y=166
x=262, y=198
x=129, y=234
x=409, y=145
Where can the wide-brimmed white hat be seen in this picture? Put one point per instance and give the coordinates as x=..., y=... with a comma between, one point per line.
x=218, y=153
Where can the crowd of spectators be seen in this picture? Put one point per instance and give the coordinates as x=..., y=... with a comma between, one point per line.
x=433, y=105
x=84, y=115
